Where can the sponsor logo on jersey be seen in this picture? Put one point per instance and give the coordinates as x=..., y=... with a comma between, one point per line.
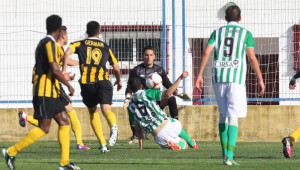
x=227, y=64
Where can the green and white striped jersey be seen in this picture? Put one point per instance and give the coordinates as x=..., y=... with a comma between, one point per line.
x=145, y=109
x=230, y=43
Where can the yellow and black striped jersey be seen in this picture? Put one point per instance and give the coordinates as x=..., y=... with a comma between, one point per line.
x=93, y=56
x=44, y=83
x=61, y=53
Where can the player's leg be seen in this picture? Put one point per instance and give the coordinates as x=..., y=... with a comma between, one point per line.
x=33, y=135
x=42, y=109
x=90, y=99
x=97, y=127
x=191, y=142
x=223, y=133
x=75, y=125
x=236, y=108
x=232, y=136
x=64, y=140
x=173, y=107
x=111, y=119
x=63, y=136
x=171, y=102
x=105, y=93
x=295, y=135
x=24, y=118
x=178, y=130
x=220, y=94
x=289, y=141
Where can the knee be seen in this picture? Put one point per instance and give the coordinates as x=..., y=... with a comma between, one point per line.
x=92, y=110
x=45, y=129
x=63, y=120
x=105, y=108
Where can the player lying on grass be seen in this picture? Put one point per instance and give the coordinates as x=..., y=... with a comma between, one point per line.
x=167, y=132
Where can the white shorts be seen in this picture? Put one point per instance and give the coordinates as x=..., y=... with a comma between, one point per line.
x=231, y=99
x=170, y=132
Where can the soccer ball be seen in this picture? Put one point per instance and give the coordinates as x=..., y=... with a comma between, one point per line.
x=154, y=81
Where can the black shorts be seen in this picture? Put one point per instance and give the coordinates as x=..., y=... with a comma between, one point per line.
x=63, y=96
x=47, y=107
x=97, y=93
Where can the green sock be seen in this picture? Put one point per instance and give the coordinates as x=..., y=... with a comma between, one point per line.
x=181, y=144
x=232, y=136
x=186, y=137
x=223, y=129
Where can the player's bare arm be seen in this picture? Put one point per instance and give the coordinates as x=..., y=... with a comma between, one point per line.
x=66, y=58
x=58, y=74
x=254, y=64
x=168, y=93
x=139, y=134
x=205, y=57
x=71, y=62
x=118, y=76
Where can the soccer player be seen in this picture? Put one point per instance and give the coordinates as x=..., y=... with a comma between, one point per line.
x=148, y=115
x=289, y=141
x=230, y=43
x=142, y=71
x=94, y=82
x=75, y=123
x=46, y=93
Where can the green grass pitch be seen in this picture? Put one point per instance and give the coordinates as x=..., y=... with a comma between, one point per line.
x=45, y=155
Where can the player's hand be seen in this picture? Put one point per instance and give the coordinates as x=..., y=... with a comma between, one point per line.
x=184, y=96
x=292, y=84
x=184, y=74
x=199, y=83
x=126, y=102
x=68, y=77
x=71, y=90
x=119, y=84
x=261, y=87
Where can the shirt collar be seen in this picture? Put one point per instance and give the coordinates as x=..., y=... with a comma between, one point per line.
x=51, y=37
x=94, y=38
x=232, y=23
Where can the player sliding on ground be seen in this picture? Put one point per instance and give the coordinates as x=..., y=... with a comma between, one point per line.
x=289, y=141
x=167, y=132
x=230, y=43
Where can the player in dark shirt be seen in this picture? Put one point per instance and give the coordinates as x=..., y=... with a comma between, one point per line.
x=94, y=82
x=46, y=97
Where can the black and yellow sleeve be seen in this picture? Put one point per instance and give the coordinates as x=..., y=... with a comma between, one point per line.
x=51, y=51
x=74, y=46
x=112, y=59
